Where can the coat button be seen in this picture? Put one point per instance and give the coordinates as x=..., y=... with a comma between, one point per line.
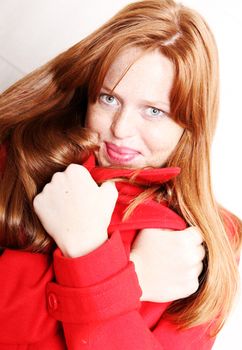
x=52, y=301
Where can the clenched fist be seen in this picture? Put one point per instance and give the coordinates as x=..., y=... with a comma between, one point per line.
x=75, y=211
x=168, y=263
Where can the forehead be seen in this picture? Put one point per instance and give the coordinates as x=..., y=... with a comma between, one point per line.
x=139, y=72
x=123, y=62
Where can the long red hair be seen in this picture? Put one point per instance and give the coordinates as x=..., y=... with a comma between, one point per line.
x=42, y=125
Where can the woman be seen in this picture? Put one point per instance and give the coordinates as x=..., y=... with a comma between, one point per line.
x=105, y=152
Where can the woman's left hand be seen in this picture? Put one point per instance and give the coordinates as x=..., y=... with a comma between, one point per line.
x=75, y=211
x=168, y=263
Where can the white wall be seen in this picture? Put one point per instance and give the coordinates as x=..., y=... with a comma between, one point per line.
x=32, y=32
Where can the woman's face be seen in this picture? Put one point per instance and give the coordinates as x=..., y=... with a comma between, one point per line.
x=132, y=121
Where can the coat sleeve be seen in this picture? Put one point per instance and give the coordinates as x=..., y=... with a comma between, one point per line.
x=97, y=298
x=23, y=315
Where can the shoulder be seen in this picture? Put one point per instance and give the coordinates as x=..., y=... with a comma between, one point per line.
x=26, y=262
x=231, y=222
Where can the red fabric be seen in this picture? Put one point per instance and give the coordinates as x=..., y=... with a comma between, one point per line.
x=95, y=298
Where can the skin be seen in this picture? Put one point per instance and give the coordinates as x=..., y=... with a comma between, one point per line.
x=125, y=118
x=136, y=113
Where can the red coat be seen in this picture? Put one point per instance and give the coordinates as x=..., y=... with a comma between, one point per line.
x=94, y=298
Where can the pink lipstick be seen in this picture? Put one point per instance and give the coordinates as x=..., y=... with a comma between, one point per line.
x=120, y=155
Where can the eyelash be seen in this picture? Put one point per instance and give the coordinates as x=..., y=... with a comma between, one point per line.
x=103, y=97
x=161, y=113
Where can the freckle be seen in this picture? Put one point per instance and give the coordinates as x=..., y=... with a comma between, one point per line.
x=66, y=191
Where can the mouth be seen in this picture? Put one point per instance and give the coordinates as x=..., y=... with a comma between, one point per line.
x=120, y=155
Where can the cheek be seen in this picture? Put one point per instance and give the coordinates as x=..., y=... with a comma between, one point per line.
x=163, y=138
x=94, y=120
x=155, y=140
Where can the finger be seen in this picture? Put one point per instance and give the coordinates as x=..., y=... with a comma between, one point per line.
x=196, y=271
x=57, y=177
x=77, y=170
x=199, y=254
x=202, y=252
x=36, y=202
x=199, y=269
x=195, y=234
x=109, y=190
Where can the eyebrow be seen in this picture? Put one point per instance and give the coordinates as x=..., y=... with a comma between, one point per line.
x=150, y=103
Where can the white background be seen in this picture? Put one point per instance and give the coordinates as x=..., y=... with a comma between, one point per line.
x=32, y=32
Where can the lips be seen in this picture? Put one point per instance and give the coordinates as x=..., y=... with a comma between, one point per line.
x=120, y=150
x=120, y=154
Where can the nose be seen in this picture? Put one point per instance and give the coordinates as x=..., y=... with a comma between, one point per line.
x=123, y=124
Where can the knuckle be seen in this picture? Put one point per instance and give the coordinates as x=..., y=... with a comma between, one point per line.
x=114, y=191
x=57, y=176
x=72, y=168
x=196, y=259
x=197, y=235
x=197, y=255
x=194, y=272
x=36, y=201
x=193, y=287
x=46, y=188
x=200, y=268
x=76, y=170
x=111, y=189
x=196, y=286
x=202, y=252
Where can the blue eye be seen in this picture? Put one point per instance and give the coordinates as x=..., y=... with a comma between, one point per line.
x=155, y=112
x=108, y=99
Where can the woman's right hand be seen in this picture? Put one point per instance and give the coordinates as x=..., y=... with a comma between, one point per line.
x=168, y=263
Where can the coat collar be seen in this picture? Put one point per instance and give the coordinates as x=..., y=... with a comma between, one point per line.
x=146, y=176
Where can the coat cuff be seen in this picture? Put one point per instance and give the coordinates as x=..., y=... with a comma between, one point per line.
x=94, y=287
x=117, y=295
x=93, y=267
